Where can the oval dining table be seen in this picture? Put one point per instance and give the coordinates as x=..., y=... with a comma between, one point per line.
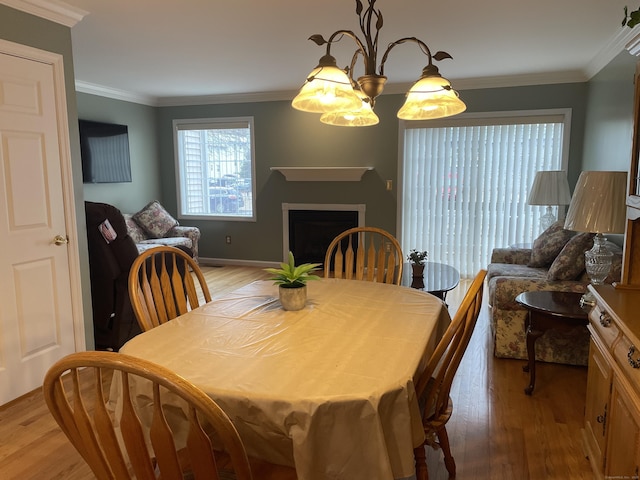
x=328, y=389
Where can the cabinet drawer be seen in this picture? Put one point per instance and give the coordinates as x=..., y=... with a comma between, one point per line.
x=603, y=325
x=627, y=356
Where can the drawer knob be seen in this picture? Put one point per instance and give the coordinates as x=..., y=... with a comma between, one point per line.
x=605, y=319
x=635, y=363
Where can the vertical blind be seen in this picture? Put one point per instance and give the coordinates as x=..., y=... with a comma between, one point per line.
x=465, y=184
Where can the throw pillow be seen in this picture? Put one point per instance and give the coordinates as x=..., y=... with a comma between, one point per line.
x=549, y=244
x=133, y=229
x=569, y=264
x=155, y=220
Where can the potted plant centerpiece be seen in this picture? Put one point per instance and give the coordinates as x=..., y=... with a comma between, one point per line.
x=292, y=282
x=417, y=259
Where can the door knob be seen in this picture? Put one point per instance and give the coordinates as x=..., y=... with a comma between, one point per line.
x=60, y=240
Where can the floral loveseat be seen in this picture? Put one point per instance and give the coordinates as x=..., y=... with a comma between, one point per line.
x=153, y=226
x=556, y=263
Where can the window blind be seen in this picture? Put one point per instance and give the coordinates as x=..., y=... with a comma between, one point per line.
x=465, y=184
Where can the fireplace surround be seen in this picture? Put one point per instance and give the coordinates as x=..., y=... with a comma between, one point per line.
x=309, y=228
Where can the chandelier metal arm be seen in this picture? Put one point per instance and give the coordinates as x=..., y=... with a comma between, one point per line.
x=371, y=53
x=423, y=46
x=361, y=50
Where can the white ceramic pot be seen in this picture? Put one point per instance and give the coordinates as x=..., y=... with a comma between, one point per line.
x=293, y=298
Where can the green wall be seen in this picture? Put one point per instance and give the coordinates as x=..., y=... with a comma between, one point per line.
x=609, y=116
x=286, y=137
x=25, y=29
x=143, y=147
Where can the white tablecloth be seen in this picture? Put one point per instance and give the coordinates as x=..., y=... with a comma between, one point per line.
x=328, y=389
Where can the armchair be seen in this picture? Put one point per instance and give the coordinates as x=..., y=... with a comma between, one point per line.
x=110, y=260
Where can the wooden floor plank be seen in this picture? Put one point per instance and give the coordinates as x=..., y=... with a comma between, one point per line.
x=497, y=432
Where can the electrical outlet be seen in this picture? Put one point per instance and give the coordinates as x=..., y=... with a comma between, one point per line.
x=389, y=185
x=227, y=239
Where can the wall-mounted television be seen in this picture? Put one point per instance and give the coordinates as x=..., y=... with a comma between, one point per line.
x=104, y=148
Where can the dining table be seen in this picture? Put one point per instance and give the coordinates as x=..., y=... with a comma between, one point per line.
x=329, y=389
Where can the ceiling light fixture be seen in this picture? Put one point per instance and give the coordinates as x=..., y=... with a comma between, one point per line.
x=333, y=92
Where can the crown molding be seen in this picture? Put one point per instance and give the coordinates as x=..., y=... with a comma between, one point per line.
x=617, y=43
x=116, y=94
x=53, y=10
x=226, y=98
x=633, y=45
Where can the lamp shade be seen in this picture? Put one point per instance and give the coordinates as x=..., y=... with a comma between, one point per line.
x=550, y=188
x=360, y=117
x=326, y=89
x=598, y=203
x=431, y=97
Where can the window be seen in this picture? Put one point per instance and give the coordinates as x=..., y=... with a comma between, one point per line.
x=215, y=168
x=465, y=182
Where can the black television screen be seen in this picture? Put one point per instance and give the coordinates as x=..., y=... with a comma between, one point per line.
x=104, y=148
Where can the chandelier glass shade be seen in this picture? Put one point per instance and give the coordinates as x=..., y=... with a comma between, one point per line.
x=431, y=97
x=328, y=90
x=344, y=101
x=362, y=116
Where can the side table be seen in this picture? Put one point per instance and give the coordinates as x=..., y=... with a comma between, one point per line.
x=559, y=311
x=437, y=279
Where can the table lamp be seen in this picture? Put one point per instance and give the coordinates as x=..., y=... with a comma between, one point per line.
x=549, y=188
x=598, y=206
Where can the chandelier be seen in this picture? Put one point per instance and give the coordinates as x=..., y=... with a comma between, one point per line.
x=332, y=91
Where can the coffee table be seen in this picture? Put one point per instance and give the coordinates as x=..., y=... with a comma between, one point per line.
x=560, y=311
x=438, y=279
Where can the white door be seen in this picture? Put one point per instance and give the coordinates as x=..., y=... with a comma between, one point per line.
x=37, y=243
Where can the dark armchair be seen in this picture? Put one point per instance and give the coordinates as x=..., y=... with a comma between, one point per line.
x=111, y=253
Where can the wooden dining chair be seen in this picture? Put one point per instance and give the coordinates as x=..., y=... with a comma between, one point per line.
x=212, y=450
x=434, y=385
x=162, y=286
x=364, y=253
x=82, y=413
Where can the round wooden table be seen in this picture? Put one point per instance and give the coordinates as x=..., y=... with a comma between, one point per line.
x=559, y=311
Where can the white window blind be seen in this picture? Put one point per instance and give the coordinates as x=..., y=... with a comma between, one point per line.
x=465, y=183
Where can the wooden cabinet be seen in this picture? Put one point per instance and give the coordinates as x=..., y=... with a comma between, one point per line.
x=612, y=412
x=623, y=456
x=598, y=392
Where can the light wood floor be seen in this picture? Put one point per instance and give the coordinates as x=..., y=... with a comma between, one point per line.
x=497, y=432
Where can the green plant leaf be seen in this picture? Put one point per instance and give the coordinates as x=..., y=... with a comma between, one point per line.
x=290, y=275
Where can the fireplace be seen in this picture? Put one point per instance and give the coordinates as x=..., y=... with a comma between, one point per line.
x=309, y=228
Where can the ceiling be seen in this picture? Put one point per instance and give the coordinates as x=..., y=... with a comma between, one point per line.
x=167, y=52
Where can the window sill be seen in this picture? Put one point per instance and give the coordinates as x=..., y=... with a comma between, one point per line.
x=322, y=174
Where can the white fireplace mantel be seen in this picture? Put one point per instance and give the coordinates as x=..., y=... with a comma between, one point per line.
x=322, y=174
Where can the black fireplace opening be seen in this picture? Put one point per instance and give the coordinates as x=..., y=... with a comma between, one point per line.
x=311, y=232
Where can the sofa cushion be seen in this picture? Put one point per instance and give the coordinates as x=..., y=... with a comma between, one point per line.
x=515, y=270
x=569, y=264
x=548, y=245
x=177, y=242
x=155, y=220
x=134, y=230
